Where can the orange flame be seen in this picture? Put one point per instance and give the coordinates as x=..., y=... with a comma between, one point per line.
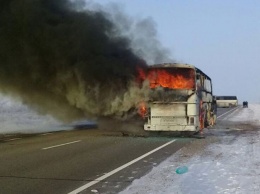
x=142, y=109
x=181, y=78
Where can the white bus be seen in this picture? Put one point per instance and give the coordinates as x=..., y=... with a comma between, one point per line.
x=226, y=101
x=181, y=98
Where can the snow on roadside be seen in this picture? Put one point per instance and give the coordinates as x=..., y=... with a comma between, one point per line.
x=230, y=165
x=16, y=117
x=248, y=115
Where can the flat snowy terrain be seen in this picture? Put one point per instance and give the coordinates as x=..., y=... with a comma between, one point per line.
x=231, y=164
x=16, y=117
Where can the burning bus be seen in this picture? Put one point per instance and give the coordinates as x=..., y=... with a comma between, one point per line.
x=181, y=98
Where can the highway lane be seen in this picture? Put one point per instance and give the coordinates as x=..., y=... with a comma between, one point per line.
x=62, y=162
x=222, y=112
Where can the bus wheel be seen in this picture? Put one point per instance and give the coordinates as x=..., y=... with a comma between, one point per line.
x=202, y=121
x=208, y=119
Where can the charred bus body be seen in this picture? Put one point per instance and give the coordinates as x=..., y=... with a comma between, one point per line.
x=181, y=98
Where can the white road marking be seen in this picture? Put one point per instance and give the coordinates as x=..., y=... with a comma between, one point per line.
x=12, y=139
x=118, y=169
x=61, y=145
x=227, y=112
x=45, y=134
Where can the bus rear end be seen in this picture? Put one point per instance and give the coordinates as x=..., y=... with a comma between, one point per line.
x=179, y=116
x=173, y=105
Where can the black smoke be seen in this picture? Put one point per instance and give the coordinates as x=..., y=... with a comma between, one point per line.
x=66, y=61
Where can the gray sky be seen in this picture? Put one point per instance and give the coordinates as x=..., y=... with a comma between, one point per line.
x=222, y=38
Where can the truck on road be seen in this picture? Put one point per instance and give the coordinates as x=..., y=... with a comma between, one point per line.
x=227, y=101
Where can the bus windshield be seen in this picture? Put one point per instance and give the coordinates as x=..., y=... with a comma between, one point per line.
x=172, y=78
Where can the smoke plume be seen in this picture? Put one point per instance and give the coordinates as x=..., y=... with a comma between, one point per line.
x=69, y=62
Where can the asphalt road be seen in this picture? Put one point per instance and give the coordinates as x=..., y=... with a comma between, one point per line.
x=88, y=160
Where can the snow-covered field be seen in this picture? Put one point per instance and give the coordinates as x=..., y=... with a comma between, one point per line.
x=230, y=165
x=16, y=117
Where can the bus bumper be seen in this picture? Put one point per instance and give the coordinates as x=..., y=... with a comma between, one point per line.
x=148, y=127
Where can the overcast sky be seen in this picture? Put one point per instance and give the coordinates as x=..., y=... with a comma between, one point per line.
x=222, y=38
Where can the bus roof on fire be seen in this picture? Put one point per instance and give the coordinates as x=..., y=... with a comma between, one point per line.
x=167, y=65
x=177, y=65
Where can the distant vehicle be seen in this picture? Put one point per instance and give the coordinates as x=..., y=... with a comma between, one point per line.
x=182, y=98
x=245, y=104
x=226, y=101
